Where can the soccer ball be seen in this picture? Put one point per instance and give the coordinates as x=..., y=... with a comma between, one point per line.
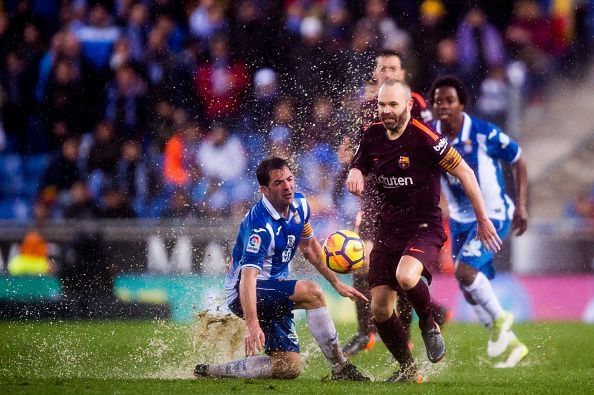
x=343, y=251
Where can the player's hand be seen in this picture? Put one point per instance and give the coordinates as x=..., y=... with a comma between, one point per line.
x=487, y=234
x=520, y=220
x=254, y=339
x=355, y=182
x=349, y=292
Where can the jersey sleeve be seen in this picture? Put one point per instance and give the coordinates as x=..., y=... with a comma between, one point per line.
x=307, y=231
x=440, y=151
x=362, y=158
x=501, y=146
x=255, y=246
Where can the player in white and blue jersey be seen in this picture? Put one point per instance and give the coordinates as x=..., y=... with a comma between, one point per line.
x=260, y=291
x=483, y=146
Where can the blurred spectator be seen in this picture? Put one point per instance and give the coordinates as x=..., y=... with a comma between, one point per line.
x=103, y=158
x=32, y=258
x=252, y=34
x=62, y=171
x=282, y=130
x=536, y=40
x=222, y=159
x=98, y=36
x=80, y=205
x=180, y=167
x=116, y=205
x=386, y=35
x=309, y=64
x=63, y=103
x=221, y=82
x=426, y=36
x=264, y=97
x=480, y=47
x=208, y=20
x=127, y=104
x=18, y=99
x=180, y=206
x=494, y=96
x=132, y=176
x=137, y=29
x=447, y=62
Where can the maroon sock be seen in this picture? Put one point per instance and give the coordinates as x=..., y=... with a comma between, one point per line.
x=364, y=318
x=404, y=309
x=420, y=298
x=394, y=337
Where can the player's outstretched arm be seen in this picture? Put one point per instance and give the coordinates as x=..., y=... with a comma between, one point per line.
x=312, y=251
x=520, y=220
x=486, y=232
x=254, y=337
x=355, y=181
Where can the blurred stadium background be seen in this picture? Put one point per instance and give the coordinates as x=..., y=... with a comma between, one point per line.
x=130, y=131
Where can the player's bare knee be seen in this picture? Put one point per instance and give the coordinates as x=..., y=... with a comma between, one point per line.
x=288, y=367
x=407, y=279
x=380, y=312
x=316, y=295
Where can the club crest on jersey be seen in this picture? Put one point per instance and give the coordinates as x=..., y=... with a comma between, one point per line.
x=404, y=162
x=253, y=244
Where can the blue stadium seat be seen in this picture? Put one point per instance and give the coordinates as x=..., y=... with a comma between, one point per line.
x=15, y=208
x=33, y=168
x=12, y=180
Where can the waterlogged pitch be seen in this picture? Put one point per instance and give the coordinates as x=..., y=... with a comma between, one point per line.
x=159, y=357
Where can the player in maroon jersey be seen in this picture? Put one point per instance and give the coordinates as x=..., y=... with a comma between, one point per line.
x=407, y=158
x=388, y=65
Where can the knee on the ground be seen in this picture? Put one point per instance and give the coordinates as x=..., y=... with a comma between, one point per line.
x=288, y=367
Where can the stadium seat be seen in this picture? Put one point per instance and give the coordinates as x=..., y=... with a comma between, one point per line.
x=33, y=169
x=12, y=181
x=15, y=209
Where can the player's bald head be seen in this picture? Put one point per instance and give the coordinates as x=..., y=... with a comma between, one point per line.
x=395, y=87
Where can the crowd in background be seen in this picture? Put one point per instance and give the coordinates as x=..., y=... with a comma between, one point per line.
x=162, y=109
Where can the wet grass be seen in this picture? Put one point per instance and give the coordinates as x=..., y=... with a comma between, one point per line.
x=158, y=357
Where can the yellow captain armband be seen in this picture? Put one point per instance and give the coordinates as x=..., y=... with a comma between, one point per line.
x=451, y=159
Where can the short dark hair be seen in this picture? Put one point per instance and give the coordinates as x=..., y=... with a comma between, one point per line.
x=268, y=165
x=451, y=82
x=388, y=52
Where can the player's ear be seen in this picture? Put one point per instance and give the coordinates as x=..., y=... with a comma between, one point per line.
x=264, y=190
x=409, y=104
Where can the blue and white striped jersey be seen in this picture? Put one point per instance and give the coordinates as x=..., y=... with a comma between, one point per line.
x=267, y=241
x=482, y=145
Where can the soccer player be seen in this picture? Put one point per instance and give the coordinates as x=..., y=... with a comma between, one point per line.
x=388, y=65
x=482, y=145
x=259, y=291
x=407, y=157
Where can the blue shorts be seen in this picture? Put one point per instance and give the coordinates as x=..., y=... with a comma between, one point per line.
x=467, y=249
x=274, y=314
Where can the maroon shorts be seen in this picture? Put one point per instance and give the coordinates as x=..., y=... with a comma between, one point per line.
x=424, y=245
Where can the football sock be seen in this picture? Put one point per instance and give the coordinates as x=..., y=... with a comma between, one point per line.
x=405, y=313
x=254, y=367
x=322, y=328
x=364, y=317
x=395, y=339
x=483, y=294
x=420, y=298
x=483, y=317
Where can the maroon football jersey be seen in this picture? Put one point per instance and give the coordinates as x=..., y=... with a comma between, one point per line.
x=407, y=172
x=370, y=200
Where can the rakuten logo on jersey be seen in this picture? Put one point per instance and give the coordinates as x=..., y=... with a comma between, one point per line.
x=394, y=182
